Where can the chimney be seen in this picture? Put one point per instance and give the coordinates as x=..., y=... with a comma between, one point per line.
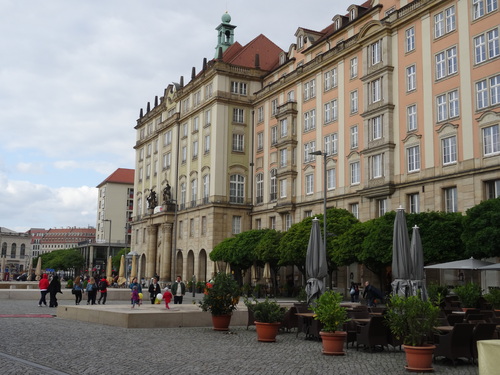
x=193, y=73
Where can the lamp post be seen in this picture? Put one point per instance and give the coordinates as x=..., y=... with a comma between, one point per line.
x=324, y=154
x=109, y=240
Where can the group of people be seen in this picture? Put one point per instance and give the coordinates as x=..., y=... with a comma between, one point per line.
x=51, y=287
x=177, y=292
x=91, y=288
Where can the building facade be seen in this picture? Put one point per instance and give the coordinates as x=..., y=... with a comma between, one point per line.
x=400, y=98
x=15, y=252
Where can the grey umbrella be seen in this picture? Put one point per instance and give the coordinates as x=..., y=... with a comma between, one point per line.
x=401, y=258
x=316, y=266
x=464, y=264
x=491, y=267
x=417, y=268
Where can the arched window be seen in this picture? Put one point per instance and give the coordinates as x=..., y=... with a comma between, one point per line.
x=13, y=250
x=4, y=249
x=236, y=188
x=22, y=252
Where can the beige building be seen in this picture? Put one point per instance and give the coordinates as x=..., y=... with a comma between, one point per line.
x=401, y=99
x=15, y=251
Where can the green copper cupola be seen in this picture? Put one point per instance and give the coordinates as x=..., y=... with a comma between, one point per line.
x=225, y=36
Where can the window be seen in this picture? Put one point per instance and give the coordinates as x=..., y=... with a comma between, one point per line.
x=236, y=225
x=196, y=98
x=492, y=189
x=310, y=89
x=411, y=117
x=238, y=88
x=331, y=111
x=260, y=141
x=259, y=181
x=206, y=188
x=274, y=135
x=450, y=200
x=330, y=144
x=377, y=167
x=310, y=120
x=447, y=106
x=168, y=138
x=272, y=222
x=354, y=101
x=354, y=67
x=449, y=146
x=331, y=79
x=288, y=221
x=238, y=142
x=273, y=186
x=444, y=22
x=203, y=225
x=283, y=128
x=149, y=149
x=486, y=46
x=206, y=144
x=274, y=107
x=195, y=149
x=480, y=9
x=381, y=207
x=308, y=148
x=331, y=180
x=184, y=154
x=411, y=78
x=410, y=39
x=185, y=105
x=354, y=136
x=290, y=96
x=414, y=203
x=376, y=127
x=184, y=130
x=309, y=184
x=308, y=213
x=283, y=157
x=209, y=90
x=167, y=160
x=148, y=171
x=376, y=52
x=194, y=192
x=413, y=158
x=446, y=63
x=376, y=90
x=491, y=140
x=283, y=188
x=208, y=117
x=196, y=124
x=141, y=154
x=355, y=173
x=354, y=207
x=236, y=188
x=258, y=224
x=183, y=195
x=260, y=114
x=238, y=115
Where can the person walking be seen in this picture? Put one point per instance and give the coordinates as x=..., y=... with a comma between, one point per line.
x=91, y=291
x=103, y=287
x=178, y=290
x=137, y=284
x=43, y=285
x=368, y=294
x=53, y=289
x=154, y=289
x=134, y=297
x=78, y=290
x=167, y=297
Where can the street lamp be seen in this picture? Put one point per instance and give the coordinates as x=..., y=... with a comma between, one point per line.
x=324, y=154
x=109, y=240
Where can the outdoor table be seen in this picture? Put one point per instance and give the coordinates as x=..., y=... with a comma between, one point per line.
x=458, y=312
x=488, y=358
x=361, y=320
x=308, y=318
x=444, y=328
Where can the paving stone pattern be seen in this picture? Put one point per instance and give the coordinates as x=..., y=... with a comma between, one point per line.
x=42, y=346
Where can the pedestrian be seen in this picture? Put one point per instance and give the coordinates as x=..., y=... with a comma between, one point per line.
x=53, y=289
x=356, y=292
x=103, y=288
x=178, y=290
x=154, y=289
x=167, y=297
x=352, y=291
x=43, y=285
x=134, y=297
x=368, y=294
x=78, y=290
x=136, y=283
x=91, y=290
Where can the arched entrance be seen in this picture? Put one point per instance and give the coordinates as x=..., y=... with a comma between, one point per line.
x=202, y=265
x=190, y=265
x=179, y=264
x=142, y=267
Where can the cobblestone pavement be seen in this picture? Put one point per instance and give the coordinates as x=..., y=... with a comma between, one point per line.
x=56, y=346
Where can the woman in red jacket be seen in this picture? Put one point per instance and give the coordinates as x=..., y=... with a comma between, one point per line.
x=43, y=285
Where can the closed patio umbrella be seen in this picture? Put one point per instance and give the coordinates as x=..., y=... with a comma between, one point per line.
x=228, y=268
x=316, y=264
x=253, y=274
x=121, y=272
x=401, y=258
x=109, y=271
x=417, y=268
x=38, y=271
x=133, y=268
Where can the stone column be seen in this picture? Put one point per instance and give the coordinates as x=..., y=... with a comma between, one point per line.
x=166, y=253
x=151, y=251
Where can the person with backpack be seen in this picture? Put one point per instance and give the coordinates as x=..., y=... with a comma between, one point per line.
x=91, y=290
x=103, y=287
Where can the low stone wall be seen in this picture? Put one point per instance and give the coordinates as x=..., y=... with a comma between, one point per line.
x=34, y=294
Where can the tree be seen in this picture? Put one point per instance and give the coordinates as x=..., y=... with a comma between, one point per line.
x=481, y=233
x=349, y=245
x=62, y=260
x=267, y=251
x=293, y=245
x=115, y=261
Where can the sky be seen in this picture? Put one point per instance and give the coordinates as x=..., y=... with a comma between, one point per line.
x=75, y=74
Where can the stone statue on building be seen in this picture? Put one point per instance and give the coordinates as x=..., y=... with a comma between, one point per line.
x=152, y=200
x=167, y=194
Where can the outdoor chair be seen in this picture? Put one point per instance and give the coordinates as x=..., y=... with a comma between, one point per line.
x=455, y=344
x=471, y=312
x=482, y=331
x=372, y=334
x=474, y=317
x=360, y=314
x=251, y=318
x=489, y=315
x=351, y=328
x=377, y=310
x=290, y=320
x=454, y=319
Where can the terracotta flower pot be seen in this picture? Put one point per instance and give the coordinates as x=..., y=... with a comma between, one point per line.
x=267, y=331
x=333, y=342
x=221, y=322
x=419, y=358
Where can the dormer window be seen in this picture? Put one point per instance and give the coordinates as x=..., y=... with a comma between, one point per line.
x=352, y=14
x=337, y=24
x=300, y=41
x=282, y=58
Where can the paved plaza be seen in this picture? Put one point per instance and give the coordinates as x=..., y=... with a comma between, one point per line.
x=51, y=345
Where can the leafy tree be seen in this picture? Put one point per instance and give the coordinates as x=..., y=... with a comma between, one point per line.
x=115, y=261
x=293, y=245
x=62, y=260
x=481, y=234
x=349, y=245
x=267, y=250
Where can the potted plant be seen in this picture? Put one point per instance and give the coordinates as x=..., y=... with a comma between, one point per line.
x=493, y=297
x=469, y=295
x=268, y=317
x=328, y=311
x=411, y=319
x=220, y=299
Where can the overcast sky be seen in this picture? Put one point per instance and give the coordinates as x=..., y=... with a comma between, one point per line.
x=74, y=75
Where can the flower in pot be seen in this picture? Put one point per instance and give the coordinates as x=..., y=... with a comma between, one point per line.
x=469, y=295
x=220, y=299
x=328, y=311
x=268, y=317
x=412, y=320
